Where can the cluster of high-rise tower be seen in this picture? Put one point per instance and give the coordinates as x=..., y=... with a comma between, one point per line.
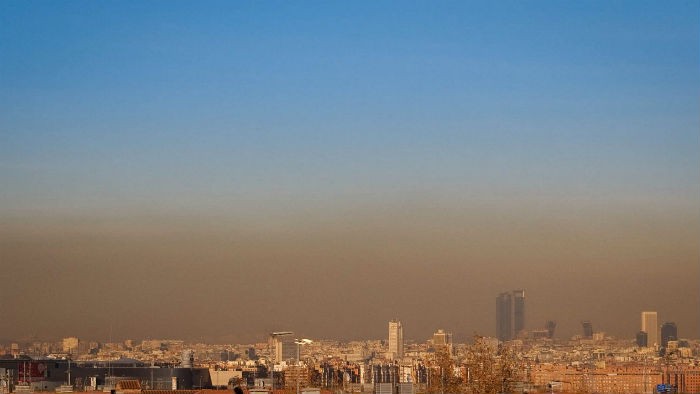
x=510, y=314
x=440, y=340
x=510, y=323
x=650, y=334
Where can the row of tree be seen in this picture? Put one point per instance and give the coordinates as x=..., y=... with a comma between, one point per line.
x=484, y=369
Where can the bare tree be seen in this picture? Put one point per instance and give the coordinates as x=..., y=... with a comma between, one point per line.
x=442, y=374
x=490, y=369
x=508, y=367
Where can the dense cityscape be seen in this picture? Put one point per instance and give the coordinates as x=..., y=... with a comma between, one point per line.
x=515, y=360
x=349, y=197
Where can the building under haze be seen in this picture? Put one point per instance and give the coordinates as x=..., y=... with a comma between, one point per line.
x=587, y=328
x=518, y=312
x=504, y=321
x=442, y=340
x=395, y=340
x=283, y=346
x=669, y=332
x=550, y=326
x=650, y=326
x=510, y=314
x=642, y=339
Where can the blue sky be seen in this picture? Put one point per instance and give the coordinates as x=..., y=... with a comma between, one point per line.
x=535, y=144
x=138, y=98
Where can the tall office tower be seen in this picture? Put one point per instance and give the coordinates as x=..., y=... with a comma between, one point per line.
x=642, y=339
x=442, y=340
x=395, y=339
x=510, y=314
x=283, y=345
x=518, y=312
x=669, y=332
x=504, y=317
x=650, y=326
x=587, y=329
x=550, y=326
x=440, y=337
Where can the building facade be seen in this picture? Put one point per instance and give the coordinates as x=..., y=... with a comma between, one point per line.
x=642, y=339
x=550, y=326
x=283, y=346
x=669, y=332
x=587, y=328
x=518, y=312
x=504, y=321
x=442, y=341
x=510, y=315
x=395, y=340
x=651, y=327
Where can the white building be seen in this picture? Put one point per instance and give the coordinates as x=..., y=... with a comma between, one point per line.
x=650, y=325
x=395, y=340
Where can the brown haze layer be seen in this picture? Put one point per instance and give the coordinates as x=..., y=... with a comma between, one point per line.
x=344, y=273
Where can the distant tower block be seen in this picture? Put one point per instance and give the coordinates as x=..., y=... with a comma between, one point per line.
x=587, y=329
x=504, y=319
x=283, y=346
x=395, y=339
x=510, y=315
x=669, y=332
x=443, y=340
x=651, y=327
x=550, y=326
x=642, y=339
x=518, y=312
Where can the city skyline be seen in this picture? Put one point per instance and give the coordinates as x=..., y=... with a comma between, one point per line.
x=284, y=346
x=226, y=170
x=364, y=365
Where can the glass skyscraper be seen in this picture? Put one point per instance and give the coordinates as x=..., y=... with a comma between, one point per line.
x=510, y=314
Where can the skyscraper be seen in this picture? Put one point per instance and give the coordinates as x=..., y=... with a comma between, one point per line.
x=642, y=339
x=650, y=326
x=442, y=340
x=587, y=327
x=518, y=312
x=669, y=332
x=395, y=339
x=504, y=317
x=510, y=314
x=550, y=326
x=283, y=346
